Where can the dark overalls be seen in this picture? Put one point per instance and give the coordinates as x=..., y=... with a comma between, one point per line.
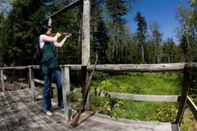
x=51, y=72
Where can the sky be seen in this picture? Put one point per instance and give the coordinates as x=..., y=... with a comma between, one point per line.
x=164, y=12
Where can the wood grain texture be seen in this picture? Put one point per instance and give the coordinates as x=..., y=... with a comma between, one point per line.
x=18, y=113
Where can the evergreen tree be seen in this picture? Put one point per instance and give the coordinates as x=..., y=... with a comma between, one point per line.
x=22, y=27
x=141, y=34
x=99, y=30
x=156, y=37
x=116, y=25
x=170, y=52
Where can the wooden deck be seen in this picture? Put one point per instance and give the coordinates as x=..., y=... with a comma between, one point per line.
x=18, y=113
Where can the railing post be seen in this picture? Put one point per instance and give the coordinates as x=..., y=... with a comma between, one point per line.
x=2, y=81
x=84, y=77
x=184, y=93
x=85, y=57
x=31, y=83
x=66, y=92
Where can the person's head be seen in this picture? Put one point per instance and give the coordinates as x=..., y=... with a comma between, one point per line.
x=45, y=29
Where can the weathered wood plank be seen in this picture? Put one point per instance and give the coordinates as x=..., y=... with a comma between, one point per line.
x=84, y=77
x=140, y=67
x=2, y=81
x=129, y=67
x=14, y=67
x=194, y=64
x=107, y=123
x=192, y=107
x=66, y=92
x=72, y=67
x=71, y=4
x=42, y=82
x=29, y=117
x=175, y=127
x=85, y=58
x=150, y=98
x=21, y=114
x=31, y=83
x=120, y=67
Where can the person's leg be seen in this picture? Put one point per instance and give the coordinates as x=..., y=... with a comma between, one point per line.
x=57, y=78
x=46, y=91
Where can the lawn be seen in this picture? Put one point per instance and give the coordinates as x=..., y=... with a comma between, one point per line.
x=138, y=83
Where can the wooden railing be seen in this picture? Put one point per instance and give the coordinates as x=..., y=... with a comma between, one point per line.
x=183, y=99
x=192, y=106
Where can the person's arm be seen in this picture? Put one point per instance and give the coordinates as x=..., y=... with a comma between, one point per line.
x=61, y=43
x=46, y=38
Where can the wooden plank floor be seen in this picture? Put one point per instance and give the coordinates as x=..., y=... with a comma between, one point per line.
x=18, y=113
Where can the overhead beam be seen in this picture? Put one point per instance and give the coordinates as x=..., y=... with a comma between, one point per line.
x=70, y=5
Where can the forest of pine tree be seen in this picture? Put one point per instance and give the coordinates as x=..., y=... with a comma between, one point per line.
x=110, y=36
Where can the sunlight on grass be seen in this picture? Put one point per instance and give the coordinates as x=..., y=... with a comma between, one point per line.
x=144, y=83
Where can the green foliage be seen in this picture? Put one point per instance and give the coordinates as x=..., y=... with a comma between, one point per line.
x=69, y=21
x=118, y=42
x=145, y=83
x=139, y=83
x=166, y=112
x=21, y=28
x=111, y=37
x=141, y=35
x=105, y=85
x=171, y=52
x=147, y=111
x=100, y=41
x=194, y=1
x=188, y=30
x=188, y=123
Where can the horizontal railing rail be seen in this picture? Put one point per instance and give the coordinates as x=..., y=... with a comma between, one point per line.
x=140, y=97
x=129, y=67
x=183, y=99
x=118, y=67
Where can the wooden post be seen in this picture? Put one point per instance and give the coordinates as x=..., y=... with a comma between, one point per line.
x=184, y=94
x=85, y=58
x=66, y=92
x=86, y=33
x=31, y=83
x=84, y=77
x=2, y=81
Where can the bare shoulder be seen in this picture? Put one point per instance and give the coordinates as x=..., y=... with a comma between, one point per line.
x=42, y=35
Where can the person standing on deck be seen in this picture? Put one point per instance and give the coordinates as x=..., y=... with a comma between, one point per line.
x=49, y=66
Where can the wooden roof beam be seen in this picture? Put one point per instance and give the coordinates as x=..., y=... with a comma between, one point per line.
x=70, y=5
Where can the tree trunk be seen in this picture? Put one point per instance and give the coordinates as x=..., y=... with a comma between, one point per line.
x=142, y=54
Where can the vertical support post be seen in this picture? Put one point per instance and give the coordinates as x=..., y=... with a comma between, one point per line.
x=184, y=93
x=66, y=92
x=85, y=59
x=2, y=81
x=86, y=33
x=84, y=75
x=31, y=83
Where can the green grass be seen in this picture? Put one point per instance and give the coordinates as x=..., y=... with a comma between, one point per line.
x=147, y=111
x=138, y=83
x=143, y=83
x=188, y=123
